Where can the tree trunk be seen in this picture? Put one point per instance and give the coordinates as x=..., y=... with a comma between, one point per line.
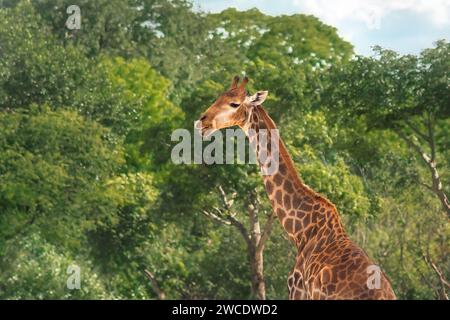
x=257, y=274
x=255, y=250
x=437, y=188
x=254, y=238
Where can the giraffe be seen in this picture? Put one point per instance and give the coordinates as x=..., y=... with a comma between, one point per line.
x=328, y=264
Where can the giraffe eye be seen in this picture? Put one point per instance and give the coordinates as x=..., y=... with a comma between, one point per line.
x=234, y=105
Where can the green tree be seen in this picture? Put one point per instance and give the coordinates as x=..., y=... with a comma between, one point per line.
x=106, y=26
x=395, y=111
x=52, y=168
x=407, y=94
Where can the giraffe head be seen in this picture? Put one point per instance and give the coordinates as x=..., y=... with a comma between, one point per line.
x=232, y=108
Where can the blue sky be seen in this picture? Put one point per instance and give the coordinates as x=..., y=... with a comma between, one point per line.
x=407, y=26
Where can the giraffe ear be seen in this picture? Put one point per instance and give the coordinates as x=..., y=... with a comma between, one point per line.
x=258, y=98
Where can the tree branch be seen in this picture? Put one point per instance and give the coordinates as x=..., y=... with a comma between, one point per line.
x=414, y=146
x=417, y=131
x=227, y=203
x=154, y=284
x=227, y=216
x=216, y=217
x=443, y=282
x=431, y=135
x=266, y=231
x=255, y=228
x=241, y=229
x=431, y=164
x=254, y=239
x=423, y=184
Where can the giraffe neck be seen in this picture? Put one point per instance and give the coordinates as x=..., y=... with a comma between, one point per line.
x=304, y=214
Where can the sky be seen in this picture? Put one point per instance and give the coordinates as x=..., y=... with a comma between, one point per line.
x=406, y=26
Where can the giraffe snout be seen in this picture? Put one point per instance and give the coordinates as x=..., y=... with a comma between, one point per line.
x=203, y=124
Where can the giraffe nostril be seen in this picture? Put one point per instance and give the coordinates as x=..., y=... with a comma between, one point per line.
x=203, y=118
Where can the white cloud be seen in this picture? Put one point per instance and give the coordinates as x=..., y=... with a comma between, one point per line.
x=371, y=12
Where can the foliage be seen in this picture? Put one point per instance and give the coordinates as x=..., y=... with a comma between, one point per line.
x=53, y=165
x=40, y=272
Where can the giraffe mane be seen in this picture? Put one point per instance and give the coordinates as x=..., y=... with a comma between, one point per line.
x=270, y=124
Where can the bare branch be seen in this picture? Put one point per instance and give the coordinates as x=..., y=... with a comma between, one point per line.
x=254, y=239
x=227, y=204
x=266, y=232
x=215, y=217
x=227, y=216
x=443, y=282
x=241, y=229
x=154, y=284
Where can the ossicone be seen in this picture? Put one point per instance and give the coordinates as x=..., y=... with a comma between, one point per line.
x=244, y=82
x=235, y=82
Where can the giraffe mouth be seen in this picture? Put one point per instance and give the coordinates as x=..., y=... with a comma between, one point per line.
x=204, y=130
